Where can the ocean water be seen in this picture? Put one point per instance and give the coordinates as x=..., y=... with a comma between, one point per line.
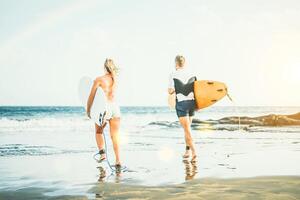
x=136, y=121
x=30, y=119
x=54, y=146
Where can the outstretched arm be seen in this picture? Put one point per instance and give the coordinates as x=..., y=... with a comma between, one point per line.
x=91, y=97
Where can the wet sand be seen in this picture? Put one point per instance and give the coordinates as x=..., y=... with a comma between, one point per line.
x=281, y=187
x=53, y=159
x=251, y=188
x=227, y=163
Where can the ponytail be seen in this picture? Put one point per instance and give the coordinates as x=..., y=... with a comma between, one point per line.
x=111, y=68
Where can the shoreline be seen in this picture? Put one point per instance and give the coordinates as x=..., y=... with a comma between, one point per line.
x=265, y=187
x=47, y=153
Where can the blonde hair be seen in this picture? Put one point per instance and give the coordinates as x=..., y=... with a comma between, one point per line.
x=180, y=60
x=112, y=69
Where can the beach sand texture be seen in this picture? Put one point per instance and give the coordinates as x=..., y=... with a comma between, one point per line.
x=275, y=188
x=47, y=153
x=209, y=189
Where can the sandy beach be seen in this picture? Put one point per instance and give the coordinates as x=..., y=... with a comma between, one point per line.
x=215, y=82
x=251, y=188
x=50, y=156
x=209, y=189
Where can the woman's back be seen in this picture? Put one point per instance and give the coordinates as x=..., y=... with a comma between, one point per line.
x=107, y=84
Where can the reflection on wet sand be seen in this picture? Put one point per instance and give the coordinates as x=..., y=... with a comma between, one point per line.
x=276, y=187
x=103, y=174
x=190, y=169
x=103, y=177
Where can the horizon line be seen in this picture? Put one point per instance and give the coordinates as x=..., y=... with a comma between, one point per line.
x=147, y=106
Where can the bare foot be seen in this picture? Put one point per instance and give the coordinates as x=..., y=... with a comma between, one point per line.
x=194, y=158
x=102, y=157
x=186, y=155
x=118, y=164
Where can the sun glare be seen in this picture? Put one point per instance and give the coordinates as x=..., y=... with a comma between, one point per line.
x=165, y=154
x=292, y=73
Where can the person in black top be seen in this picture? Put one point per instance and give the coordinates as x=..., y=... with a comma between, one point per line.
x=181, y=82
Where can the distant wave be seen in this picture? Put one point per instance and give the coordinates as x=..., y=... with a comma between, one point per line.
x=70, y=122
x=33, y=150
x=166, y=124
x=198, y=125
x=75, y=124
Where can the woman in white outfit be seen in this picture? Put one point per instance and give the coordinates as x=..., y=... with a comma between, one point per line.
x=108, y=83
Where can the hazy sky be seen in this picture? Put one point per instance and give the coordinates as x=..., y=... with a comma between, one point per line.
x=47, y=46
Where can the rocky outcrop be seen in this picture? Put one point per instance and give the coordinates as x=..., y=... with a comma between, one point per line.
x=266, y=120
x=247, y=122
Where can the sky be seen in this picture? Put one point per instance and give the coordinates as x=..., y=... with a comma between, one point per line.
x=251, y=45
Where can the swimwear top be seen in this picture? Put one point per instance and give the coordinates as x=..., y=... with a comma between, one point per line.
x=182, y=80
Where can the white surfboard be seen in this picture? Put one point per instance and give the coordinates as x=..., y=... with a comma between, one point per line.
x=99, y=104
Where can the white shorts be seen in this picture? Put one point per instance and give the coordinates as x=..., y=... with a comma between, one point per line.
x=112, y=110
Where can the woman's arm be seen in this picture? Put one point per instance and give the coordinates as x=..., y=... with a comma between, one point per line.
x=90, y=101
x=171, y=90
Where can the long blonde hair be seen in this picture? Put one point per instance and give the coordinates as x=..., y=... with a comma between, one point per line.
x=112, y=69
x=180, y=60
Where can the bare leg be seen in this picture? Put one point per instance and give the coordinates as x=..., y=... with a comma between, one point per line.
x=114, y=125
x=191, y=120
x=186, y=124
x=99, y=138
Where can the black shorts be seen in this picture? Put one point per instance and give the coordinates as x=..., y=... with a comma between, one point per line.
x=185, y=108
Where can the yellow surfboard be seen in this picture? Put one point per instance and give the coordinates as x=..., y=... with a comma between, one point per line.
x=206, y=93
